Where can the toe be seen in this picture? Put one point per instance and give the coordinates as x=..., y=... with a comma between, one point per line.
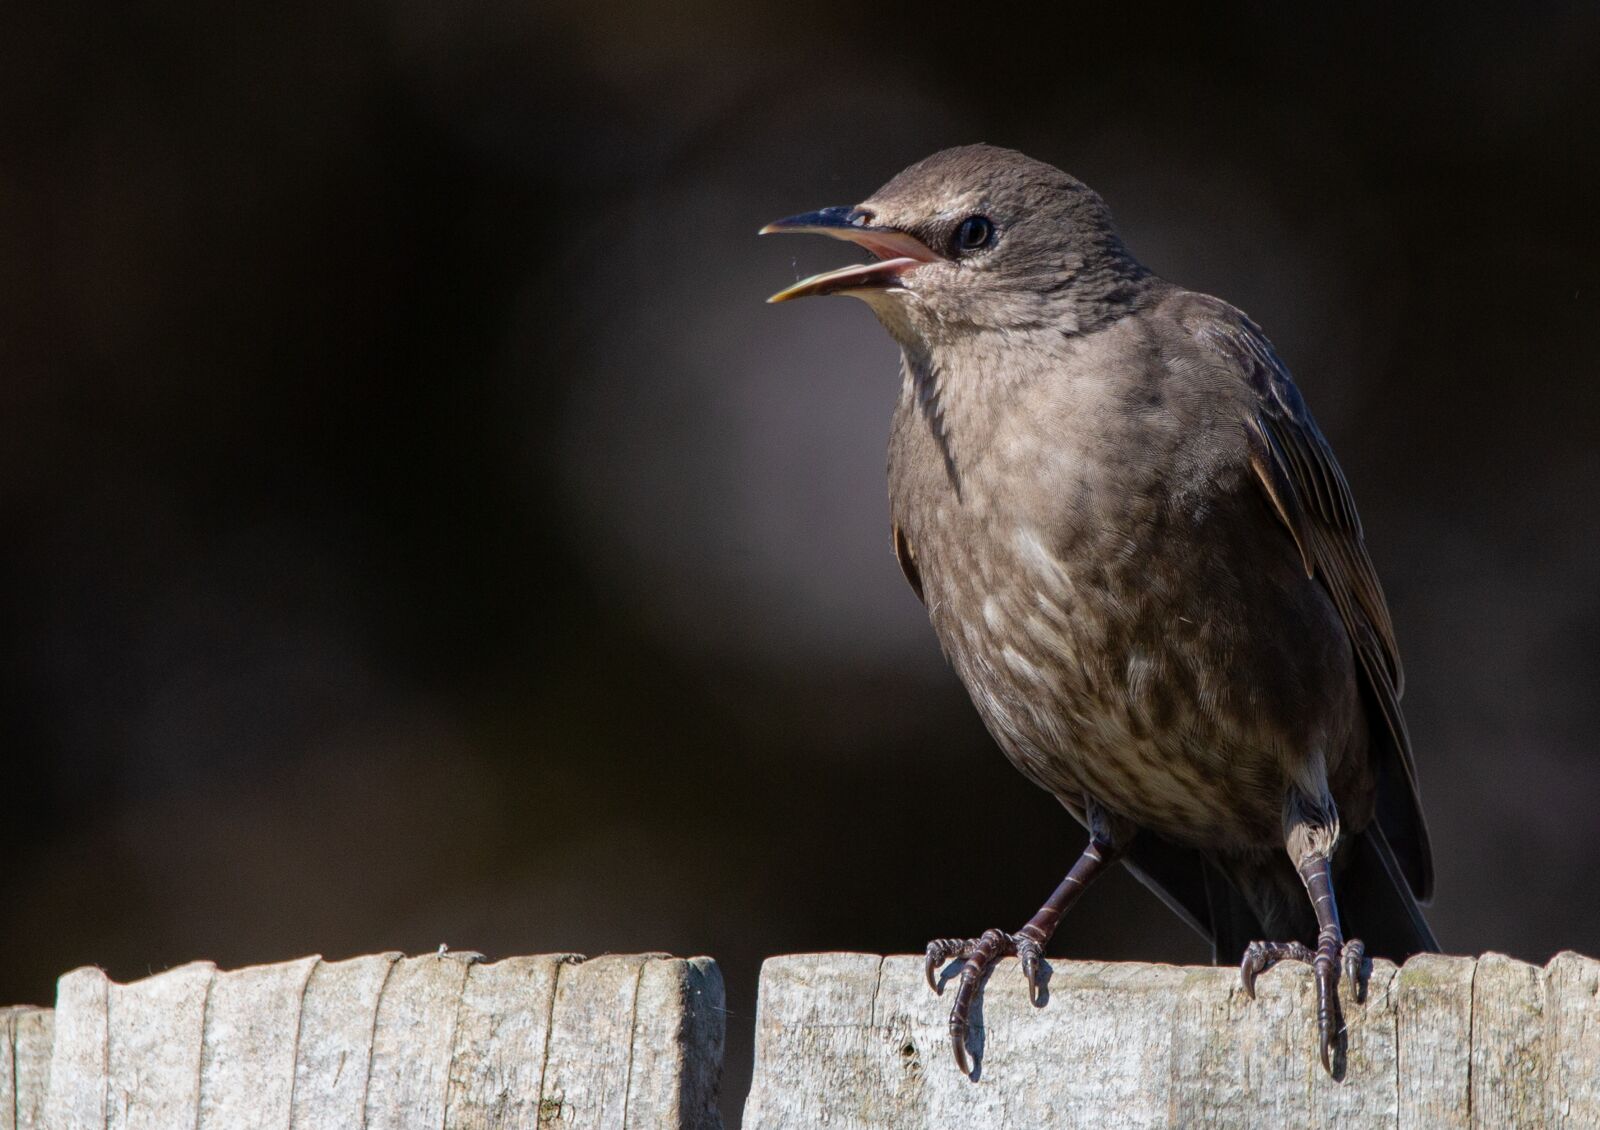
x=1249, y=966
x=941, y=950
x=1355, y=968
x=1032, y=956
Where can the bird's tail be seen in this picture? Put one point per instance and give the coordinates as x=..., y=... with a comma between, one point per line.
x=1207, y=891
x=1375, y=902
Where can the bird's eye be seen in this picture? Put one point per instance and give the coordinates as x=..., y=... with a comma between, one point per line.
x=974, y=233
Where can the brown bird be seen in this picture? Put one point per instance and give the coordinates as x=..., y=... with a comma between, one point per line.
x=1139, y=554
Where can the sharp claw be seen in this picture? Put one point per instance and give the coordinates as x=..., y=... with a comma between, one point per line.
x=929, y=965
x=958, y=1044
x=1325, y=1045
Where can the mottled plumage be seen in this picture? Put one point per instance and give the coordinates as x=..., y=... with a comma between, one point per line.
x=1139, y=554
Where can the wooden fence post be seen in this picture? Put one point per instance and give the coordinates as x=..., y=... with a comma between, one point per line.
x=859, y=1041
x=383, y=1041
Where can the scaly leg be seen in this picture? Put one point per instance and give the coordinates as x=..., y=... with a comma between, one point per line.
x=1312, y=840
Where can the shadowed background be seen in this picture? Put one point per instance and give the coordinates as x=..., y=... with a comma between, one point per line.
x=418, y=531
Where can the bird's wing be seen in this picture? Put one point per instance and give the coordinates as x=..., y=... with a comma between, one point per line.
x=1305, y=486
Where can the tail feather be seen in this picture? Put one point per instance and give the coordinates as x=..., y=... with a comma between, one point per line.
x=1234, y=924
x=1376, y=903
x=1375, y=899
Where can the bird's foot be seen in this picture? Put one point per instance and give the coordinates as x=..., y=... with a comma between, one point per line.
x=980, y=954
x=1325, y=960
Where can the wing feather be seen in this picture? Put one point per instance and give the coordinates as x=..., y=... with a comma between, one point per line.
x=1309, y=493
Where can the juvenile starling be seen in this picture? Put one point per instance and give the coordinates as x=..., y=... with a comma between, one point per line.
x=1140, y=556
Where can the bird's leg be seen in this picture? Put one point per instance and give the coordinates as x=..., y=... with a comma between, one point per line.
x=1311, y=843
x=1028, y=943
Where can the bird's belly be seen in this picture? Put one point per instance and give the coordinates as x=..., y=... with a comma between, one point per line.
x=1134, y=741
x=1130, y=688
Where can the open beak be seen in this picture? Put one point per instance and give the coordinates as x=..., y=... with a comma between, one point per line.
x=897, y=252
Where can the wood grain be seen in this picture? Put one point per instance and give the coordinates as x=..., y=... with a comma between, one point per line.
x=855, y=1041
x=381, y=1041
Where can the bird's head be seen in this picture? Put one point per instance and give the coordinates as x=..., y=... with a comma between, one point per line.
x=975, y=239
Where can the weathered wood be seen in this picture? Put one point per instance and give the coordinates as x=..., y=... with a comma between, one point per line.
x=1572, y=1068
x=1508, y=1043
x=379, y=1041
x=857, y=1041
x=843, y=1040
x=493, y=1081
x=25, y=1038
x=1434, y=1001
x=247, y=1067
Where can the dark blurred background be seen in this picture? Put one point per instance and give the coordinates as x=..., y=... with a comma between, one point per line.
x=418, y=531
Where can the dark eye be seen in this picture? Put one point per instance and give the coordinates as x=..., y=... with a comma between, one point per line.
x=975, y=232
